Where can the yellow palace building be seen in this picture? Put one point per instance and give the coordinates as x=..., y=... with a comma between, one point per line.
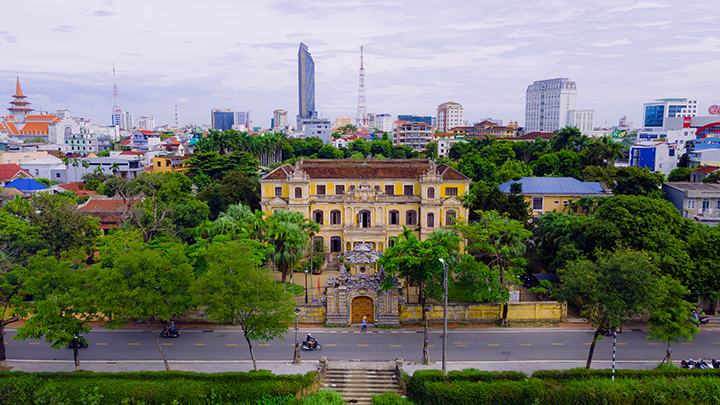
x=367, y=201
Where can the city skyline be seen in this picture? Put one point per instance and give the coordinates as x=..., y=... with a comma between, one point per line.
x=242, y=56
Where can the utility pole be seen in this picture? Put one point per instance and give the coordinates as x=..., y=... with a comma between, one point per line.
x=296, y=355
x=445, y=315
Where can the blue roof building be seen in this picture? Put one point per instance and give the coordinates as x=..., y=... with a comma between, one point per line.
x=552, y=194
x=26, y=185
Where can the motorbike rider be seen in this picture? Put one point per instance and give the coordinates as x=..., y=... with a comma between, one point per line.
x=311, y=342
x=172, y=327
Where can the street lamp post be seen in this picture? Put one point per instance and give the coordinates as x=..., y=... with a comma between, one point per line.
x=445, y=315
x=296, y=356
x=306, y=272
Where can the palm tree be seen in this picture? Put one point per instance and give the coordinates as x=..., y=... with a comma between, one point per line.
x=114, y=167
x=603, y=151
x=288, y=233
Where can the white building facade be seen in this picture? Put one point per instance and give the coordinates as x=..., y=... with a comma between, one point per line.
x=584, y=120
x=449, y=116
x=548, y=103
x=146, y=124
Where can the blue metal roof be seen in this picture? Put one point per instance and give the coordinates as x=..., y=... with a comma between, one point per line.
x=554, y=185
x=26, y=185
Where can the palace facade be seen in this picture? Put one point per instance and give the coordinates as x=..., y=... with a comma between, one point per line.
x=367, y=201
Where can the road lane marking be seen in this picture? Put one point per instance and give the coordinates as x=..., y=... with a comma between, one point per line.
x=391, y=345
x=34, y=343
x=363, y=345
x=199, y=344
x=558, y=344
x=494, y=344
x=100, y=344
x=264, y=344
x=166, y=344
x=231, y=344
x=688, y=343
x=622, y=343
x=653, y=343
x=431, y=345
x=460, y=345
x=330, y=344
x=525, y=344
x=716, y=343
x=133, y=344
x=588, y=344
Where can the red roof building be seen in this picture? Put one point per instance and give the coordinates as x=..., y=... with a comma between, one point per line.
x=10, y=172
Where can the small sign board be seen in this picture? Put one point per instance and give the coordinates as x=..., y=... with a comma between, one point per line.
x=514, y=295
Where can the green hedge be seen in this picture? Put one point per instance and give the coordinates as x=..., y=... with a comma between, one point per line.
x=474, y=375
x=585, y=374
x=656, y=390
x=148, y=388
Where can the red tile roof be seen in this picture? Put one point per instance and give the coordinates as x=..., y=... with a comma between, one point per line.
x=365, y=169
x=707, y=169
x=8, y=171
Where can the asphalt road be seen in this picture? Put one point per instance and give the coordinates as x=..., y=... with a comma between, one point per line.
x=540, y=345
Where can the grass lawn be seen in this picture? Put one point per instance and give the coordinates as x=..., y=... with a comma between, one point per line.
x=296, y=288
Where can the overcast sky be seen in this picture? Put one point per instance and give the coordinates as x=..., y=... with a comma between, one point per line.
x=242, y=55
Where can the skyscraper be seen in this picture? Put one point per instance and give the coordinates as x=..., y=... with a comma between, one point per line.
x=547, y=103
x=306, y=85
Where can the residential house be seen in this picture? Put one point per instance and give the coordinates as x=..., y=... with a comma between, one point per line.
x=553, y=194
x=697, y=175
x=654, y=155
x=699, y=201
x=111, y=212
x=163, y=164
x=10, y=172
x=704, y=157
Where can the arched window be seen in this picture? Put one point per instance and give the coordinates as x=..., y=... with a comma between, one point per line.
x=411, y=217
x=335, y=217
x=431, y=220
x=298, y=192
x=431, y=192
x=394, y=217
x=391, y=241
x=318, y=217
x=450, y=217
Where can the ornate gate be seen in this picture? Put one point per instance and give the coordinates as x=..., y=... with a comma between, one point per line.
x=362, y=306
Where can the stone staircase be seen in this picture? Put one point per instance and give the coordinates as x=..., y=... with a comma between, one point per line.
x=356, y=381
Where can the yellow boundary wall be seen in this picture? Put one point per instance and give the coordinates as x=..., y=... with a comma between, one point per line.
x=466, y=312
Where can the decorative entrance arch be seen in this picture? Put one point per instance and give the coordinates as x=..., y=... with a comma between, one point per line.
x=362, y=306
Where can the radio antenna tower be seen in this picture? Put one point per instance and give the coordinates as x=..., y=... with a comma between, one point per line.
x=361, y=121
x=176, y=122
x=116, y=96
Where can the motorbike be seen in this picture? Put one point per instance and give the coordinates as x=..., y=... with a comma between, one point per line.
x=700, y=320
x=307, y=347
x=167, y=333
x=76, y=343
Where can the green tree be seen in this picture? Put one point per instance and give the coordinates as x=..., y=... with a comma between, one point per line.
x=680, y=174
x=61, y=306
x=287, y=233
x=381, y=147
x=670, y=320
x=419, y=263
x=234, y=188
x=569, y=138
x=565, y=163
x=59, y=224
x=500, y=243
x=431, y=150
x=357, y=155
x=328, y=152
x=513, y=170
x=617, y=285
x=713, y=177
x=638, y=181
x=133, y=281
x=235, y=288
x=603, y=151
x=359, y=146
x=18, y=241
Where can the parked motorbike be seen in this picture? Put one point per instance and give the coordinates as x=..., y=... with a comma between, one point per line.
x=307, y=346
x=700, y=320
x=167, y=333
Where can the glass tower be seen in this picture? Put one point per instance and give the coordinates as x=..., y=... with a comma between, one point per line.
x=306, y=83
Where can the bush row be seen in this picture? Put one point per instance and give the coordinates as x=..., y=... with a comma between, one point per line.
x=417, y=382
x=585, y=374
x=148, y=388
x=683, y=390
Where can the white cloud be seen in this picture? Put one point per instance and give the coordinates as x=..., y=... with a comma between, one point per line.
x=418, y=54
